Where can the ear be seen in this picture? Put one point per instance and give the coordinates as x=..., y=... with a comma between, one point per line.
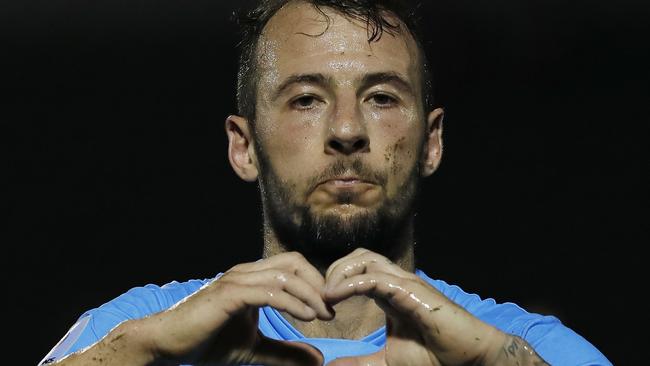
x=240, y=148
x=432, y=152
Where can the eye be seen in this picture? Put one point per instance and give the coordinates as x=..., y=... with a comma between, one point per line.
x=383, y=100
x=304, y=102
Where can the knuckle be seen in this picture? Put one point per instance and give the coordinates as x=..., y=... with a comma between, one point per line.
x=296, y=262
x=377, y=257
x=237, y=268
x=297, y=256
x=226, y=287
x=278, y=276
x=397, y=284
x=270, y=292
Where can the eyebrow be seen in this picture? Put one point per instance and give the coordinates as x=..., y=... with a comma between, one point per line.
x=389, y=77
x=366, y=82
x=315, y=79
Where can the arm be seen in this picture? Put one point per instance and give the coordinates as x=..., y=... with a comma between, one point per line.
x=512, y=350
x=424, y=327
x=554, y=342
x=218, y=323
x=128, y=343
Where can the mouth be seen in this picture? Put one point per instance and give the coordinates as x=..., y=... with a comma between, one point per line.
x=345, y=181
x=345, y=190
x=346, y=187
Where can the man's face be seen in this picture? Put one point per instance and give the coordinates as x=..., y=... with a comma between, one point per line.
x=339, y=131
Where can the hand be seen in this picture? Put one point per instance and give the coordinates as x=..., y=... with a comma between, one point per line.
x=423, y=326
x=218, y=324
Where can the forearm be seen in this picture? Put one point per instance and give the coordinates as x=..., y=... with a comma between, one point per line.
x=515, y=351
x=126, y=344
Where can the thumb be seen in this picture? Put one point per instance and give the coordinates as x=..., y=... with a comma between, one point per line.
x=285, y=353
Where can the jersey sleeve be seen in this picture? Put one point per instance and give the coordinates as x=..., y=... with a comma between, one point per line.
x=553, y=341
x=560, y=345
x=136, y=303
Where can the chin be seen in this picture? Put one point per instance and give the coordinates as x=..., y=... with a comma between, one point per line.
x=346, y=211
x=343, y=227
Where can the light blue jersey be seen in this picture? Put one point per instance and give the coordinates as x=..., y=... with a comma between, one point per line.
x=553, y=341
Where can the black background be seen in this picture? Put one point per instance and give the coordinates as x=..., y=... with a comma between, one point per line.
x=112, y=119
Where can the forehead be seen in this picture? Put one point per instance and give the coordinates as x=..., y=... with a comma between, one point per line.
x=301, y=39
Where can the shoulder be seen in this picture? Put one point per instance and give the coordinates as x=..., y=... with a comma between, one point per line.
x=139, y=302
x=145, y=300
x=555, y=342
x=136, y=303
x=508, y=317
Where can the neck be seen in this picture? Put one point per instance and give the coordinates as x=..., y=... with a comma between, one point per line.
x=357, y=316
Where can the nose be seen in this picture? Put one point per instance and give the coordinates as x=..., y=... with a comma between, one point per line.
x=347, y=133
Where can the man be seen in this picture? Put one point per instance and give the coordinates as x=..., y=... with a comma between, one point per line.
x=333, y=124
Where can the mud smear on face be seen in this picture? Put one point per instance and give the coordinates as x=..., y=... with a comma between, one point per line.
x=391, y=153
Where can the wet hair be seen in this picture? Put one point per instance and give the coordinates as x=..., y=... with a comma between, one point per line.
x=378, y=15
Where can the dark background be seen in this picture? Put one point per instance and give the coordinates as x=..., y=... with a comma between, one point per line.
x=112, y=119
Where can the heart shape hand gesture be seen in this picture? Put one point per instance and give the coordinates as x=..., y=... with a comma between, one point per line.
x=218, y=324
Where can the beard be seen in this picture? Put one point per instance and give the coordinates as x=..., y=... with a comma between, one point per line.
x=323, y=238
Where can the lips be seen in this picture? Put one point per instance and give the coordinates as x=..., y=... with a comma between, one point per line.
x=345, y=181
x=345, y=190
x=347, y=185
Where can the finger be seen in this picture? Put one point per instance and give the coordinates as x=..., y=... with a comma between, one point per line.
x=406, y=296
x=355, y=253
x=421, y=313
x=289, y=283
x=273, y=352
x=290, y=261
x=364, y=263
x=443, y=323
x=258, y=296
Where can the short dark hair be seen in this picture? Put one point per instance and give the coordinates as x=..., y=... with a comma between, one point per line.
x=375, y=13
